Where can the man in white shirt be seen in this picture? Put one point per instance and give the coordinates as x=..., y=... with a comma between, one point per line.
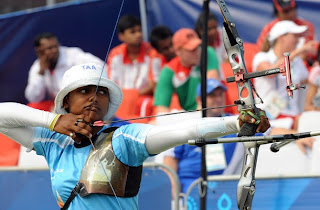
x=46, y=72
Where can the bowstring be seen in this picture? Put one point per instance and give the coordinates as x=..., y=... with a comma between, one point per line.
x=95, y=94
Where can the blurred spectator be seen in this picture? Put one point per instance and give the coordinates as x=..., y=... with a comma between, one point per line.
x=46, y=72
x=161, y=40
x=286, y=10
x=182, y=73
x=313, y=93
x=282, y=38
x=215, y=39
x=129, y=63
x=221, y=158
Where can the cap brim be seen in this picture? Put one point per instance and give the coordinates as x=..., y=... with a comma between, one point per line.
x=295, y=29
x=299, y=29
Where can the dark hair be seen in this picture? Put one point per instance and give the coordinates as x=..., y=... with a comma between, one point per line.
x=46, y=35
x=284, y=5
x=127, y=21
x=159, y=33
x=199, y=23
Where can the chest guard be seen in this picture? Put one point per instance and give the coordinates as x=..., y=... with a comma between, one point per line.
x=103, y=170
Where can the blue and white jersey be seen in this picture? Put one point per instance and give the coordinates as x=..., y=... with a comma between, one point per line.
x=66, y=162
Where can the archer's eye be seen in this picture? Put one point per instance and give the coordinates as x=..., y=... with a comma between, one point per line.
x=84, y=90
x=102, y=92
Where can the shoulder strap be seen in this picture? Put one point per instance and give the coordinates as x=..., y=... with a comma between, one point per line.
x=73, y=194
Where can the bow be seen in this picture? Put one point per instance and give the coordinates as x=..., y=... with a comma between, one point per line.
x=235, y=52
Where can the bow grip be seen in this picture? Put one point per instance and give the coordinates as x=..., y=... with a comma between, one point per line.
x=247, y=129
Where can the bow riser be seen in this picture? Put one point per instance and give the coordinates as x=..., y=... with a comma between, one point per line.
x=239, y=69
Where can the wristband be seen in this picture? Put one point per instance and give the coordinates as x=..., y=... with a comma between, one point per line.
x=53, y=122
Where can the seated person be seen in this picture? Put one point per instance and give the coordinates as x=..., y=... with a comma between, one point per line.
x=283, y=37
x=46, y=72
x=161, y=40
x=129, y=62
x=215, y=39
x=182, y=74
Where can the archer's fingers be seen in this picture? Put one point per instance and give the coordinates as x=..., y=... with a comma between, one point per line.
x=244, y=117
x=263, y=126
x=83, y=129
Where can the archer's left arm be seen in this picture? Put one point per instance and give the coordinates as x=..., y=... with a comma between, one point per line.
x=161, y=138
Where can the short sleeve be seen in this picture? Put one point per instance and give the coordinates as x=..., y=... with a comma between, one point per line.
x=49, y=143
x=128, y=144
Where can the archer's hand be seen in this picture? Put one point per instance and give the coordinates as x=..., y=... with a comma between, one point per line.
x=68, y=125
x=250, y=117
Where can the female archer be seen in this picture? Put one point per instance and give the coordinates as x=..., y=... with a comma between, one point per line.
x=98, y=167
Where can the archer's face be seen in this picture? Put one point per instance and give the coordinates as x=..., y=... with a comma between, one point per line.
x=80, y=100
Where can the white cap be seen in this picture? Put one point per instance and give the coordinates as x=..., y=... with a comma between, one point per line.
x=285, y=27
x=84, y=75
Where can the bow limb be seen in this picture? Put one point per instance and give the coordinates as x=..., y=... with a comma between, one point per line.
x=235, y=52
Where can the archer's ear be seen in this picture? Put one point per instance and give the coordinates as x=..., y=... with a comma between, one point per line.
x=65, y=103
